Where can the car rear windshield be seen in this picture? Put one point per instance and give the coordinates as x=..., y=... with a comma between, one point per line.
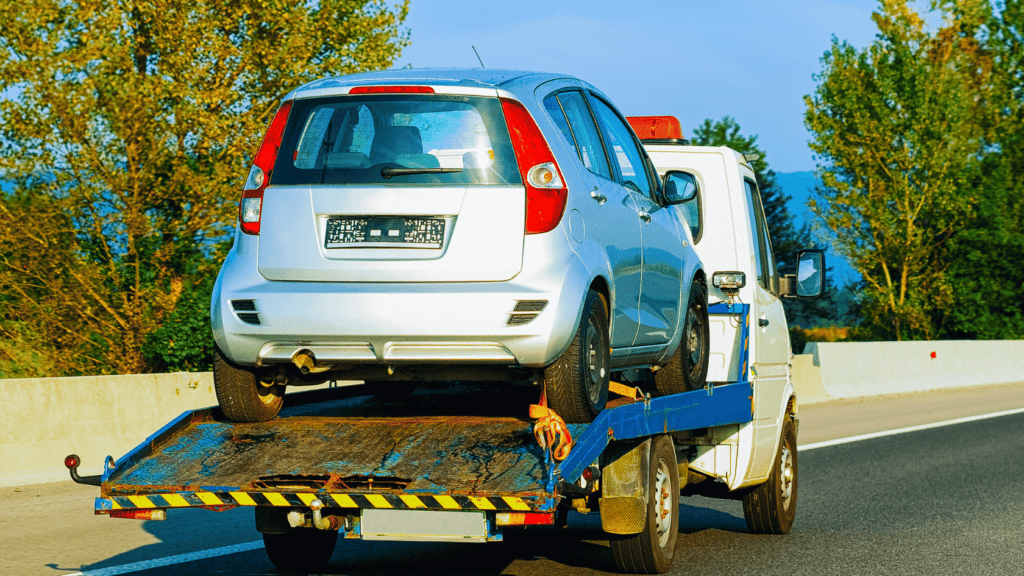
x=361, y=139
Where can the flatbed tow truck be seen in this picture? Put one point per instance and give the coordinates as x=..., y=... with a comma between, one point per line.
x=468, y=464
x=455, y=466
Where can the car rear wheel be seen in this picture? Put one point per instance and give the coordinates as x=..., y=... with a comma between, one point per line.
x=688, y=368
x=302, y=550
x=577, y=383
x=241, y=394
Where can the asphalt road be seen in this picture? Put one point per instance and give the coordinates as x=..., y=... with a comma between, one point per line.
x=947, y=500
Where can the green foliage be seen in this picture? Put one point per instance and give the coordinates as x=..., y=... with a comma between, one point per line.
x=900, y=128
x=184, y=343
x=126, y=130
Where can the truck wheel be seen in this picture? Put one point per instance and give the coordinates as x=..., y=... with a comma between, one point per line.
x=688, y=368
x=577, y=383
x=242, y=397
x=771, y=507
x=652, y=550
x=302, y=550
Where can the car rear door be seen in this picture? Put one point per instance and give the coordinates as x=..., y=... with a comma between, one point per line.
x=657, y=313
x=614, y=210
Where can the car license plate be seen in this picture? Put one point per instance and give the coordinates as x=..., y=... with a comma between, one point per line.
x=375, y=232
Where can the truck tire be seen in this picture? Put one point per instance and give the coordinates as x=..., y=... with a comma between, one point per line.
x=577, y=383
x=688, y=368
x=652, y=550
x=240, y=394
x=301, y=550
x=771, y=507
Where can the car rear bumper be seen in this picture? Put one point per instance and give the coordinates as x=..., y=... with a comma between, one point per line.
x=394, y=324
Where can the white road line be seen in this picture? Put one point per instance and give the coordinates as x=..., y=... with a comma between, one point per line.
x=171, y=560
x=848, y=439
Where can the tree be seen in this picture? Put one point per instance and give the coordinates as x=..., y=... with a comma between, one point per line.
x=126, y=128
x=985, y=271
x=786, y=239
x=899, y=130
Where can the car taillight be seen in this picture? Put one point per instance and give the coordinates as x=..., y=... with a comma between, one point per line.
x=545, y=189
x=251, y=205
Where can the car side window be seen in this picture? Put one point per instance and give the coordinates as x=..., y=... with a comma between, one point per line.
x=570, y=112
x=766, y=273
x=622, y=145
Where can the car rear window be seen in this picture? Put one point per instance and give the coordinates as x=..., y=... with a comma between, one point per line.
x=351, y=139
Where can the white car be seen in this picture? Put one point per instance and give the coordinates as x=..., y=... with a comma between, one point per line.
x=414, y=225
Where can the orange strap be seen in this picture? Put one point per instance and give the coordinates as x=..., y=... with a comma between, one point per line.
x=550, y=430
x=633, y=393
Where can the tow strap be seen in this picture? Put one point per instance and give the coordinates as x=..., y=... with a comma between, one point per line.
x=550, y=430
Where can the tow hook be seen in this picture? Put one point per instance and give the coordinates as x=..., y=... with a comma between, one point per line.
x=297, y=519
x=72, y=462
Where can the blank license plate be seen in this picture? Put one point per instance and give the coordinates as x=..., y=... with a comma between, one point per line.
x=424, y=525
x=387, y=231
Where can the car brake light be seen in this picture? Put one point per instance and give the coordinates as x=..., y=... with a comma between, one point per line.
x=391, y=90
x=251, y=205
x=545, y=189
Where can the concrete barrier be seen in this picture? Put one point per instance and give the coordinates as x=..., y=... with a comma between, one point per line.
x=859, y=369
x=42, y=420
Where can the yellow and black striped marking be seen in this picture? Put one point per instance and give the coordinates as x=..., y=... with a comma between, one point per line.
x=303, y=499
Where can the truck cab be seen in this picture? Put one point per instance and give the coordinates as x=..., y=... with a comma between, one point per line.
x=727, y=226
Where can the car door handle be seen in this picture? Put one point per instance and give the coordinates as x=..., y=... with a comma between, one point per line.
x=762, y=322
x=596, y=195
x=644, y=215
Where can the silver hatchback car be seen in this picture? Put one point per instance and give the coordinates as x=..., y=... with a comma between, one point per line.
x=438, y=225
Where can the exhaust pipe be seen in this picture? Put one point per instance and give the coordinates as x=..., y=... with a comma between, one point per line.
x=305, y=361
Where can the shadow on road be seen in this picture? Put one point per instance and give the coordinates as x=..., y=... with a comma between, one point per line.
x=582, y=548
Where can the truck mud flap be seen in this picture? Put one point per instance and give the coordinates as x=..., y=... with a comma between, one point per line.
x=624, y=478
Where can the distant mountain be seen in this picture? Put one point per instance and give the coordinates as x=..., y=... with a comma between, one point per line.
x=800, y=186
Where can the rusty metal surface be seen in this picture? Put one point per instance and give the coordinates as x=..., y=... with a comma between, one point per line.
x=426, y=443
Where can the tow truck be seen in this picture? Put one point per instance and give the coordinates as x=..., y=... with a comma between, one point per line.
x=469, y=464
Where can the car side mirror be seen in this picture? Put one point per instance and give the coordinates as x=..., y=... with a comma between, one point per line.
x=809, y=280
x=680, y=187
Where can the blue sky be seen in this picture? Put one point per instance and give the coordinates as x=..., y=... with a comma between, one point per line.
x=693, y=59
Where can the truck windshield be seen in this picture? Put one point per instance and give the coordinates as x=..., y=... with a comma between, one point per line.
x=427, y=139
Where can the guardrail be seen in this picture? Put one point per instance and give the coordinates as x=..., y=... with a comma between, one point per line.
x=44, y=419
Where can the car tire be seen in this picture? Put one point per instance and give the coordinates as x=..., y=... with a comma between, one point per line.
x=577, y=383
x=688, y=368
x=770, y=508
x=241, y=395
x=653, y=549
x=301, y=550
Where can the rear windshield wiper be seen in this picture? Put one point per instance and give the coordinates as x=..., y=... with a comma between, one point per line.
x=388, y=172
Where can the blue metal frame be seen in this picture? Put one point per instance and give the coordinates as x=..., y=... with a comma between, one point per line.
x=731, y=403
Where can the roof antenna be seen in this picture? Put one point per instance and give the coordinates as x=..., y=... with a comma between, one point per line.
x=478, y=57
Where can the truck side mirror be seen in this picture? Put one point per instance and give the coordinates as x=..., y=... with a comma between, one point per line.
x=680, y=187
x=809, y=280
